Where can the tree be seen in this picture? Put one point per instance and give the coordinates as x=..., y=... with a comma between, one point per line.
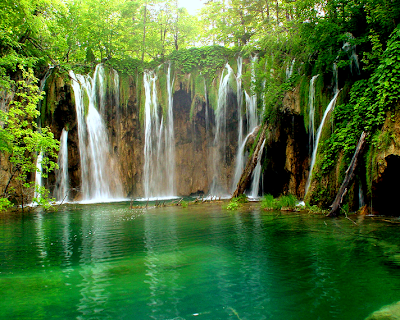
x=21, y=141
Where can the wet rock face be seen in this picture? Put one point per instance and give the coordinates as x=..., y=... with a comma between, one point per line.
x=194, y=140
x=194, y=131
x=59, y=111
x=287, y=157
x=386, y=167
x=191, y=148
x=194, y=136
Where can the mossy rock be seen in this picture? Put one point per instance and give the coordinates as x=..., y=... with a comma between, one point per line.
x=389, y=312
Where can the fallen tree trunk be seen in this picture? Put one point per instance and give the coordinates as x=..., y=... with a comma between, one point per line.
x=350, y=172
x=250, y=165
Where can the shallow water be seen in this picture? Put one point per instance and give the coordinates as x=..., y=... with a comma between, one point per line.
x=107, y=261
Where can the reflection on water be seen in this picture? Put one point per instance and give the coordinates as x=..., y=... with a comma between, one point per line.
x=162, y=263
x=40, y=242
x=94, y=256
x=111, y=262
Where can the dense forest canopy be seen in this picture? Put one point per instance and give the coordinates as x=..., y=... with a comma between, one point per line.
x=131, y=35
x=72, y=32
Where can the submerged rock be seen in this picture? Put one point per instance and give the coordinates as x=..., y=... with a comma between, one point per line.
x=389, y=312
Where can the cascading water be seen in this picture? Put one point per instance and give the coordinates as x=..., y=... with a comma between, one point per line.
x=252, y=120
x=239, y=95
x=251, y=111
x=218, y=186
x=99, y=181
x=289, y=70
x=240, y=159
x=255, y=185
x=38, y=176
x=101, y=87
x=330, y=106
x=159, y=148
x=311, y=113
x=351, y=51
x=61, y=190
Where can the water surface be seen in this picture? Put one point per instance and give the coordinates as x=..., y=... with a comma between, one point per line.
x=107, y=261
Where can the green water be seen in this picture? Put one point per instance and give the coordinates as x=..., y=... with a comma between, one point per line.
x=111, y=262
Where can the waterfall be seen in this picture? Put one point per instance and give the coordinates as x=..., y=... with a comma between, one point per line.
x=351, y=51
x=330, y=106
x=240, y=159
x=100, y=78
x=251, y=111
x=239, y=95
x=311, y=113
x=289, y=70
x=99, y=181
x=252, y=118
x=159, y=147
x=255, y=185
x=38, y=176
x=219, y=187
x=335, y=78
x=62, y=185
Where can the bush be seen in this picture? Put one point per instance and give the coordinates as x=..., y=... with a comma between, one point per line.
x=287, y=202
x=283, y=202
x=268, y=202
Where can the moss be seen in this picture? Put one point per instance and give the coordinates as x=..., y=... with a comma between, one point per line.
x=380, y=142
x=124, y=89
x=212, y=91
x=162, y=92
x=142, y=102
x=304, y=92
x=321, y=99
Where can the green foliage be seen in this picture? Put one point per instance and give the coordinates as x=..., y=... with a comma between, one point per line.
x=22, y=140
x=207, y=59
x=380, y=142
x=284, y=202
x=268, y=202
x=43, y=199
x=232, y=205
x=4, y=204
x=369, y=100
x=235, y=203
x=315, y=209
x=288, y=201
x=184, y=204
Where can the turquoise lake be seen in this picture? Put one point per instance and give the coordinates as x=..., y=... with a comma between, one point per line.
x=108, y=261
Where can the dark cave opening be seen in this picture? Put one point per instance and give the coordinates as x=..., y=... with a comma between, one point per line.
x=387, y=189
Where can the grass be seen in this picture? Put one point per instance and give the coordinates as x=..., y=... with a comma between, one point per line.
x=235, y=203
x=284, y=202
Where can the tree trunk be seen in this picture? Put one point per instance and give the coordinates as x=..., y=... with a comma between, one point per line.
x=277, y=12
x=350, y=172
x=144, y=30
x=251, y=164
x=176, y=26
x=267, y=3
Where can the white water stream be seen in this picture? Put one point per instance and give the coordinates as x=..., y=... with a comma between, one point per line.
x=62, y=186
x=330, y=106
x=252, y=119
x=99, y=179
x=219, y=186
x=311, y=113
x=38, y=176
x=159, y=148
x=255, y=185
